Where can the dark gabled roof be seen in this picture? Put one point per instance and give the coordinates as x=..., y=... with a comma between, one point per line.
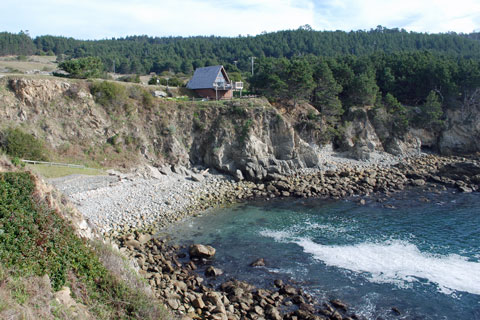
x=203, y=78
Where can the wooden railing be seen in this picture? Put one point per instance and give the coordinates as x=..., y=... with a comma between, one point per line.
x=55, y=164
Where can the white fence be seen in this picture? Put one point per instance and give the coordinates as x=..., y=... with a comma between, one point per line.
x=55, y=164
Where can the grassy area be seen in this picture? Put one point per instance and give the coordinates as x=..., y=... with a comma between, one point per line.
x=36, y=241
x=48, y=172
x=41, y=63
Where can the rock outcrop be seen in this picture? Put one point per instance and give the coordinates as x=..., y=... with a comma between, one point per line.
x=462, y=133
x=248, y=139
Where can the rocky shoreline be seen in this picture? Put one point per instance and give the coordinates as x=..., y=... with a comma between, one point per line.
x=154, y=198
x=190, y=296
x=192, y=191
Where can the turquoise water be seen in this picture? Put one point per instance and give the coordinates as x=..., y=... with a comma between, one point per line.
x=422, y=256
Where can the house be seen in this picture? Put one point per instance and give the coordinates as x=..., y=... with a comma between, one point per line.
x=212, y=83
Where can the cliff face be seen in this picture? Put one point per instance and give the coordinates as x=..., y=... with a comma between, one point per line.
x=249, y=139
x=462, y=133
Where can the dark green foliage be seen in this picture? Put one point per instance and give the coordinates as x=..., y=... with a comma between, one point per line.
x=142, y=54
x=398, y=113
x=172, y=82
x=299, y=79
x=109, y=94
x=17, y=143
x=362, y=91
x=35, y=240
x=16, y=44
x=147, y=98
x=83, y=68
x=130, y=78
x=243, y=130
x=400, y=82
x=429, y=115
x=154, y=80
x=325, y=95
x=270, y=78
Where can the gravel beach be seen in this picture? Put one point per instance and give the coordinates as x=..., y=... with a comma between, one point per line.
x=123, y=202
x=153, y=198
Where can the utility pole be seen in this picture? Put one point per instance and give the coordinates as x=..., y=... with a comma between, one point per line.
x=235, y=62
x=113, y=66
x=253, y=59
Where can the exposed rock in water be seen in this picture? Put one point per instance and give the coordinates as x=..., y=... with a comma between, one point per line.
x=201, y=251
x=258, y=263
x=213, y=272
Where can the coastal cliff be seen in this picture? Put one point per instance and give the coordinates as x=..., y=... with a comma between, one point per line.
x=118, y=125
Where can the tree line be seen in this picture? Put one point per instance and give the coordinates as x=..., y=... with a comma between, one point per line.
x=143, y=54
x=405, y=88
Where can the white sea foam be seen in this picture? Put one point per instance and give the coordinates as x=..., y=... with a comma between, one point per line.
x=279, y=236
x=292, y=233
x=393, y=261
x=399, y=262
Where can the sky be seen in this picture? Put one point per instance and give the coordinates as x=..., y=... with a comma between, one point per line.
x=104, y=19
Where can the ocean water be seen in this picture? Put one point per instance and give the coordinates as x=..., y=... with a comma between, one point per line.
x=417, y=252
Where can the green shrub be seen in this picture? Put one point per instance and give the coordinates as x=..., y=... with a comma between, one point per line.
x=108, y=94
x=172, y=82
x=88, y=67
x=17, y=143
x=147, y=98
x=35, y=240
x=135, y=78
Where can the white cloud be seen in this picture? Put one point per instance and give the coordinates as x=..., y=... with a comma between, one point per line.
x=414, y=15
x=96, y=19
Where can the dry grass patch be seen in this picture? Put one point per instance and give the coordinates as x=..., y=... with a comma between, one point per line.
x=41, y=63
x=48, y=171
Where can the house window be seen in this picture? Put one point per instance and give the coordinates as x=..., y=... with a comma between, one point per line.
x=220, y=79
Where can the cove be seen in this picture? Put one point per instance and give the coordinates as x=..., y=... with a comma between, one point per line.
x=418, y=252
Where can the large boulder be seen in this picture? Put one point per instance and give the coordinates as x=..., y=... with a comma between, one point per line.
x=201, y=251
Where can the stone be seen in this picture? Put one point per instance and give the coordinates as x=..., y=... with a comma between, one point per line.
x=258, y=263
x=197, y=177
x=298, y=299
x=291, y=291
x=336, y=316
x=258, y=310
x=396, y=311
x=133, y=244
x=198, y=303
x=173, y=303
x=418, y=182
x=278, y=283
x=339, y=304
x=201, y=251
x=167, y=267
x=370, y=181
x=307, y=307
x=144, y=238
x=213, y=272
x=273, y=313
x=465, y=189
x=238, y=175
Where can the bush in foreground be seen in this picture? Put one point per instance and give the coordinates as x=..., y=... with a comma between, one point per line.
x=17, y=143
x=36, y=241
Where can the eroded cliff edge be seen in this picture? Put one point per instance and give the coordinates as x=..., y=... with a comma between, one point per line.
x=119, y=125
